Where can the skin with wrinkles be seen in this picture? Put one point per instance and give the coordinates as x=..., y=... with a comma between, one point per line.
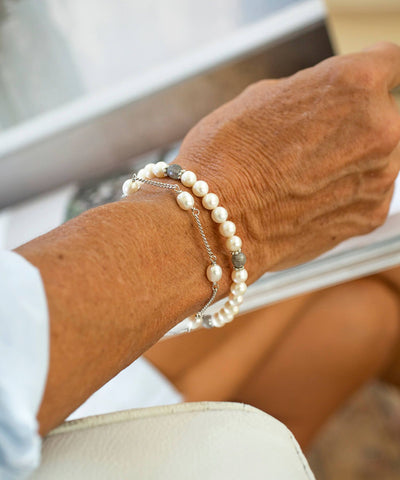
x=306, y=161
x=301, y=164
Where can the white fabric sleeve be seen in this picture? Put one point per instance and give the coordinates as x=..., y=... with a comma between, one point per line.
x=24, y=354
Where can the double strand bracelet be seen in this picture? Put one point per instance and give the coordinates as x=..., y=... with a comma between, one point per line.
x=227, y=228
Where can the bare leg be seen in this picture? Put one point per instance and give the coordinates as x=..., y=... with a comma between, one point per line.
x=211, y=364
x=392, y=372
x=345, y=338
x=298, y=360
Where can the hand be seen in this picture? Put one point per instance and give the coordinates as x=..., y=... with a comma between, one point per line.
x=304, y=162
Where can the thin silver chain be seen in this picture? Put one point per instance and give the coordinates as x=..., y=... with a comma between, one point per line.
x=196, y=214
x=210, y=301
x=168, y=186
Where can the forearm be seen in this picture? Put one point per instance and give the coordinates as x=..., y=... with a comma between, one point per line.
x=301, y=164
x=117, y=278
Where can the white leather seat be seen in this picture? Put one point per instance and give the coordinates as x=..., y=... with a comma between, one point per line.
x=196, y=441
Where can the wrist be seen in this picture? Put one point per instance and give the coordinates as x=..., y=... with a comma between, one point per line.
x=183, y=257
x=151, y=175
x=245, y=210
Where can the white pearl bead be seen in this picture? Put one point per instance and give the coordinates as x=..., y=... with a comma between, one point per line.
x=141, y=173
x=130, y=187
x=188, y=178
x=226, y=309
x=239, y=276
x=159, y=169
x=220, y=318
x=126, y=186
x=134, y=187
x=227, y=229
x=234, y=308
x=185, y=200
x=235, y=300
x=210, y=201
x=194, y=323
x=200, y=188
x=217, y=321
x=238, y=288
x=214, y=273
x=230, y=309
x=148, y=171
x=219, y=215
x=225, y=316
x=234, y=243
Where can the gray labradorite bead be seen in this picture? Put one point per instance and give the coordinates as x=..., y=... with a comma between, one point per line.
x=238, y=259
x=174, y=171
x=207, y=321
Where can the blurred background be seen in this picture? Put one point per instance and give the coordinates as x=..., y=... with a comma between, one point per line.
x=363, y=440
x=90, y=90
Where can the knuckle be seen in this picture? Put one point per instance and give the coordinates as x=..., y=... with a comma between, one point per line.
x=385, y=181
x=370, y=227
x=338, y=71
x=257, y=87
x=249, y=91
x=366, y=77
x=355, y=83
x=388, y=134
x=382, y=133
x=251, y=88
x=258, y=91
x=356, y=72
x=387, y=46
x=393, y=131
x=380, y=214
x=388, y=179
x=376, y=222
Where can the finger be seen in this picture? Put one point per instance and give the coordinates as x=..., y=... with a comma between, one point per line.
x=357, y=218
x=395, y=158
x=380, y=181
x=385, y=205
x=377, y=184
x=370, y=185
x=367, y=187
x=387, y=58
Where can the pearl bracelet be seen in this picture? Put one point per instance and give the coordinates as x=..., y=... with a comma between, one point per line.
x=227, y=228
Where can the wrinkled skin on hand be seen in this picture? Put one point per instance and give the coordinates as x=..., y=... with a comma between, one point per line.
x=304, y=162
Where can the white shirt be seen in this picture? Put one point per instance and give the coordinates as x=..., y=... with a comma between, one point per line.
x=24, y=357
x=24, y=352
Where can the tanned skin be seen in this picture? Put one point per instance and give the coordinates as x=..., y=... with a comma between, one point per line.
x=301, y=164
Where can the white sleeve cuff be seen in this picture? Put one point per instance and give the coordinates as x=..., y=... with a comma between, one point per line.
x=24, y=354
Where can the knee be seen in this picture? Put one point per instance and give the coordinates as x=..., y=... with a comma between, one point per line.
x=370, y=314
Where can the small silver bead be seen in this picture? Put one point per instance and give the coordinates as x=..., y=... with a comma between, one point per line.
x=174, y=171
x=207, y=321
x=238, y=259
